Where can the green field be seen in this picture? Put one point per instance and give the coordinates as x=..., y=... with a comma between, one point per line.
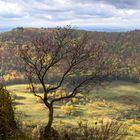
x=116, y=100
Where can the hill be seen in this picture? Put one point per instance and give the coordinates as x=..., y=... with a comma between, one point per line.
x=126, y=45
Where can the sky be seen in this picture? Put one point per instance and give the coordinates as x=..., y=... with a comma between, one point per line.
x=104, y=15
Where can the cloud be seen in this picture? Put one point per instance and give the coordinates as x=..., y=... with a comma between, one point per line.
x=128, y=4
x=125, y=4
x=84, y=13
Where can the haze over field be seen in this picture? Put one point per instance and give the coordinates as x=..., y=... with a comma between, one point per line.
x=98, y=15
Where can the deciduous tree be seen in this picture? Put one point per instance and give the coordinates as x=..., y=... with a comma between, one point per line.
x=75, y=60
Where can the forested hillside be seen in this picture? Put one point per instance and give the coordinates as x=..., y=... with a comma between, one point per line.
x=126, y=45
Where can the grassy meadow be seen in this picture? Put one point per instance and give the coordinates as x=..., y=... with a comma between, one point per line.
x=114, y=101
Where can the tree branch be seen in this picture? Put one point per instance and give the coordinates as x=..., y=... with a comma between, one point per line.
x=74, y=92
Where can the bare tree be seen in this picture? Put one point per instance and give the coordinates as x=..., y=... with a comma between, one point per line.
x=71, y=57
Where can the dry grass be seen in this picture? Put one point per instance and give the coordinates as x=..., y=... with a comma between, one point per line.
x=114, y=101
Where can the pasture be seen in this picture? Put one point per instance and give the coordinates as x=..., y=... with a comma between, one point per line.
x=114, y=101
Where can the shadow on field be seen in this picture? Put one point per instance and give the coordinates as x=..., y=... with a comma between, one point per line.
x=60, y=117
x=19, y=98
x=126, y=99
x=18, y=103
x=78, y=112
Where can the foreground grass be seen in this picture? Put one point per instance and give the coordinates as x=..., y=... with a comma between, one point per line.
x=117, y=100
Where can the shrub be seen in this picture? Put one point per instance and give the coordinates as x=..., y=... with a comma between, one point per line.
x=135, y=128
x=7, y=120
x=105, y=131
x=68, y=109
x=8, y=126
x=74, y=100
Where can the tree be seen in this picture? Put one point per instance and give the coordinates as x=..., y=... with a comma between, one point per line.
x=73, y=59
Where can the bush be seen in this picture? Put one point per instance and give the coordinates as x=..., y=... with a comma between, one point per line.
x=105, y=131
x=7, y=121
x=68, y=109
x=8, y=126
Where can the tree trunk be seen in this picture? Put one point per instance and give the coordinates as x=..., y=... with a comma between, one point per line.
x=47, y=130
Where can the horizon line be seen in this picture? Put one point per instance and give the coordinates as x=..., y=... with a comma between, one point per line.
x=85, y=28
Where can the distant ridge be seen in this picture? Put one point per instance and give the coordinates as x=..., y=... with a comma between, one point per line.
x=87, y=28
x=106, y=29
